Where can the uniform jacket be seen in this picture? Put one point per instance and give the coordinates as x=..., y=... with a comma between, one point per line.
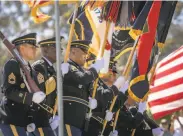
x=76, y=86
x=17, y=106
x=46, y=80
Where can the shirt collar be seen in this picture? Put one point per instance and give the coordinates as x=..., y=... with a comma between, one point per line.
x=49, y=62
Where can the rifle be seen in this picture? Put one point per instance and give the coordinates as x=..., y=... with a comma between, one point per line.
x=34, y=88
x=25, y=68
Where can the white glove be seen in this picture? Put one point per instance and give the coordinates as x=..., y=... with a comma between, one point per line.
x=108, y=115
x=157, y=131
x=142, y=107
x=98, y=65
x=65, y=68
x=124, y=88
x=92, y=103
x=54, y=122
x=114, y=133
x=120, y=82
x=31, y=127
x=38, y=97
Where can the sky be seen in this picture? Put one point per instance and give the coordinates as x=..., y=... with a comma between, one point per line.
x=27, y=25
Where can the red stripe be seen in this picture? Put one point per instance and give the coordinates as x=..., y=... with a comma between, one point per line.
x=169, y=71
x=164, y=113
x=166, y=100
x=171, y=59
x=167, y=85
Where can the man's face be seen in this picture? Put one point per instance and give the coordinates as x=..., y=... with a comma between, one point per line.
x=28, y=51
x=80, y=56
x=49, y=52
x=52, y=53
x=109, y=78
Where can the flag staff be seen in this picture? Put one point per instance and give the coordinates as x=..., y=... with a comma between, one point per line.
x=58, y=62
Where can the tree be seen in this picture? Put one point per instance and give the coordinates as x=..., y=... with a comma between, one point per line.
x=16, y=20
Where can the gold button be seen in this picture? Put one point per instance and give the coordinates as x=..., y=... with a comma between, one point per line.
x=22, y=85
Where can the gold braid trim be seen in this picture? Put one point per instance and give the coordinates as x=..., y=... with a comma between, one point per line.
x=130, y=92
x=161, y=45
x=135, y=33
x=82, y=29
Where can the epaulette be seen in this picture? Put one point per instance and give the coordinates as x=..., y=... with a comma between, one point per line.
x=11, y=60
x=74, y=68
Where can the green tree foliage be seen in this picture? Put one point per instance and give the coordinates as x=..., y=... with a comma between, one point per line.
x=16, y=20
x=174, y=39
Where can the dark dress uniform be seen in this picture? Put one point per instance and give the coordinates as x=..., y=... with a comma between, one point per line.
x=104, y=98
x=18, y=99
x=145, y=128
x=76, y=86
x=44, y=68
x=41, y=116
x=142, y=130
x=130, y=120
x=127, y=122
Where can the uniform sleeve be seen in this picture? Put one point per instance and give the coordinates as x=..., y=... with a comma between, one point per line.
x=121, y=98
x=105, y=96
x=39, y=75
x=142, y=132
x=129, y=121
x=12, y=85
x=85, y=78
x=125, y=120
x=150, y=122
x=46, y=83
x=137, y=119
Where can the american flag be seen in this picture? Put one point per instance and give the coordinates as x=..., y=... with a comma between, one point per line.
x=166, y=94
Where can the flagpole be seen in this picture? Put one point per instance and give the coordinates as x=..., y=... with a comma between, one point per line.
x=152, y=72
x=71, y=33
x=125, y=73
x=68, y=48
x=100, y=55
x=58, y=62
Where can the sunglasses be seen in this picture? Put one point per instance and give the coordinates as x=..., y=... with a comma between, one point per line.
x=85, y=51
